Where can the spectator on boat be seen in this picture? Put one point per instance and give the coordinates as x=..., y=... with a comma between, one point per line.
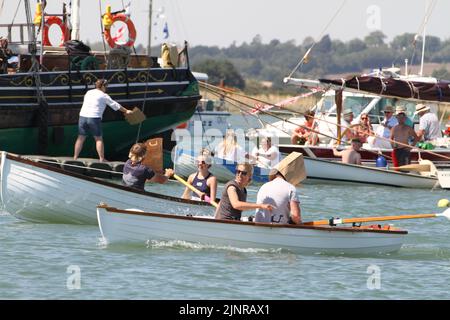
x=280, y=192
x=383, y=131
x=400, y=137
x=135, y=174
x=229, y=149
x=389, y=121
x=304, y=134
x=91, y=114
x=429, y=128
x=266, y=155
x=347, y=128
x=202, y=180
x=364, y=130
x=350, y=155
x=234, y=195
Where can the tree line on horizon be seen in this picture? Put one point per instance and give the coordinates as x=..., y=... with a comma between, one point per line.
x=247, y=65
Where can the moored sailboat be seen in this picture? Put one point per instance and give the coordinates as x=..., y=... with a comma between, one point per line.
x=41, y=95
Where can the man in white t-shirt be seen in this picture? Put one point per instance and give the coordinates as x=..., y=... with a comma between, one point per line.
x=429, y=128
x=280, y=192
x=91, y=113
x=267, y=155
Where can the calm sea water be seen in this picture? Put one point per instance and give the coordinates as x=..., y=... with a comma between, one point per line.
x=38, y=261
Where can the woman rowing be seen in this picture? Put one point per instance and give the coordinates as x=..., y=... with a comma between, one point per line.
x=202, y=180
x=234, y=196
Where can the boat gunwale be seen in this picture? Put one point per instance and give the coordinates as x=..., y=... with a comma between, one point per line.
x=20, y=159
x=249, y=223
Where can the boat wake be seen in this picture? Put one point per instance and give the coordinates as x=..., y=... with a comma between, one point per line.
x=177, y=244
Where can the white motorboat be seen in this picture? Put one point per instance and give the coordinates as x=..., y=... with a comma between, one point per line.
x=136, y=226
x=38, y=192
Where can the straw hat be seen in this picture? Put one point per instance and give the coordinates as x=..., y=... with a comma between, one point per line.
x=347, y=111
x=421, y=107
x=292, y=168
x=388, y=109
x=400, y=109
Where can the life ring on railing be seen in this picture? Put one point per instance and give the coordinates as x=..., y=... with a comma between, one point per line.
x=131, y=31
x=49, y=21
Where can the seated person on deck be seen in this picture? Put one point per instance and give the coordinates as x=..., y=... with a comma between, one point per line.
x=304, y=134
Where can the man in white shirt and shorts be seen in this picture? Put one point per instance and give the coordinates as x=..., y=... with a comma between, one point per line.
x=91, y=113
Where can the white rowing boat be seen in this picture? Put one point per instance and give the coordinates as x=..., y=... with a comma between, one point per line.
x=136, y=226
x=41, y=193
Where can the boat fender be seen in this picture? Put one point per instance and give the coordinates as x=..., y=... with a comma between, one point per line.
x=381, y=162
x=49, y=21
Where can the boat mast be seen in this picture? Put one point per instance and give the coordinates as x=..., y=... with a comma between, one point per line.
x=75, y=20
x=149, y=28
x=424, y=36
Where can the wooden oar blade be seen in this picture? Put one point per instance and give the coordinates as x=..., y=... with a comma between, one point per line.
x=414, y=167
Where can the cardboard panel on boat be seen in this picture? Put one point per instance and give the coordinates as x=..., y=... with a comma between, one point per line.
x=154, y=155
x=135, y=117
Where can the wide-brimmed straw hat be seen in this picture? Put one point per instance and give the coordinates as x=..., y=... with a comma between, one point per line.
x=421, y=107
x=388, y=109
x=400, y=109
x=292, y=168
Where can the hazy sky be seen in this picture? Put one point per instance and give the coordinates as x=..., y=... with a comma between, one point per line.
x=221, y=22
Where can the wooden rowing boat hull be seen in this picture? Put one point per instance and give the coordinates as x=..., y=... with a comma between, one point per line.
x=36, y=192
x=119, y=226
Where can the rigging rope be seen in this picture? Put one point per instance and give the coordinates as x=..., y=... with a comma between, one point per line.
x=215, y=90
x=305, y=57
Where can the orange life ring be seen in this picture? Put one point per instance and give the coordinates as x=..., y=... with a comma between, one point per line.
x=131, y=30
x=64, y=29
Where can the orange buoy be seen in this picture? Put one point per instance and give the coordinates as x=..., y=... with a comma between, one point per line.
x=49, y=21
x=131, y=31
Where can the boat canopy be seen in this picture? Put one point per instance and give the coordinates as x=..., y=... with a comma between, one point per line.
x=438, y=91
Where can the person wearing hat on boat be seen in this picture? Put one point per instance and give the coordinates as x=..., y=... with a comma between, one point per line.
x=401, y=135
x=135, y=174
x=350, y=155
x=202, y=180
x=348, y=132
x=281, y=193
x=234, y=195
x=429, y=128
x=91, y=113
x=389, y=121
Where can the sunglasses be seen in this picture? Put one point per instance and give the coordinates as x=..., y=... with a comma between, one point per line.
x=387, y=112
x=364, y=118
x=244, y=173
x=199, y=162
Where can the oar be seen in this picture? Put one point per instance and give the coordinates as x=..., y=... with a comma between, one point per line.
x=336, y=221
x=414, y=167
x=207, y=199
